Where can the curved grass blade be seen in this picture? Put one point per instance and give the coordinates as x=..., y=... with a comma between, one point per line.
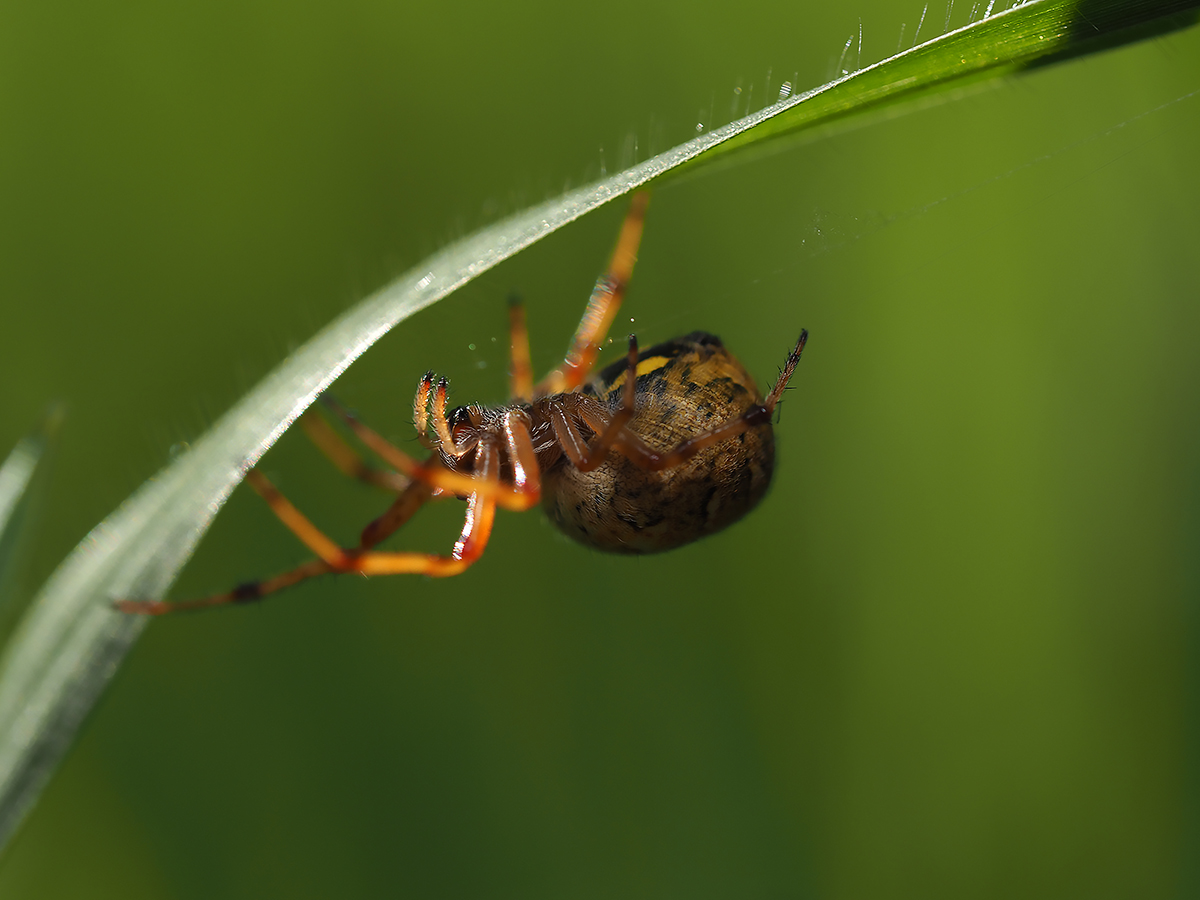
x=16, y=477
x=16, y=472
x=71, y=641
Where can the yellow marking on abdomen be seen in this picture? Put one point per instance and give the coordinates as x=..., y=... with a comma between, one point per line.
x=649, y=364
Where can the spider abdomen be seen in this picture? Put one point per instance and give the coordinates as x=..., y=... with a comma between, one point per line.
x=684, y=387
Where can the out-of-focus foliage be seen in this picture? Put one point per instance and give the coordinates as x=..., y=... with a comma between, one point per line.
x=18, y=471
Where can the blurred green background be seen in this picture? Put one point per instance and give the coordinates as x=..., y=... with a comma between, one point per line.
x=951, y=655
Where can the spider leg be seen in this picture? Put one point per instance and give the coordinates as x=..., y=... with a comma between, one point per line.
x=412, y=498
x=602, y=306
x=785, y=376
x=420, y=410
x=441, y=425
x=433, y=473
x=332, y=558
x=477, y=528
x=609, y=429
x=521, y=375
x=345, y=458
x=412, y=495
x=568, y=436
x=522, y=457
x=245, y=593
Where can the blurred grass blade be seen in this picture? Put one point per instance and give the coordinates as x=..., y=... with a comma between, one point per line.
x=71, y=641
x=16, y=476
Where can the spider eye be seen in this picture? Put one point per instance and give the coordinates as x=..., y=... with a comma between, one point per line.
x=460, y=421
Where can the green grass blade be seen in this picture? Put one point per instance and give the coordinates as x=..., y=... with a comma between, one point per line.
x=71, y=641
x=16, y=476
x=1023, y=37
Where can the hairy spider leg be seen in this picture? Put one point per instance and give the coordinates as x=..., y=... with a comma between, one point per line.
x=785, y=376
x=403, y=508
x=521, y=373
x=347, y=460
x=518, y=440
x=428, y=395
x=417, y=493
x=607, y=428
x=329, y=552
x=441, y=425
x=241, y=594
x=411, y=494
x=602, y=306
x=421, y=410
x=437, y=476
x=646, y=457
x=477, y=528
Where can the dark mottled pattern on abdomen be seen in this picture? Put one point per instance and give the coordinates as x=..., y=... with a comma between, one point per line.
x=621, y=508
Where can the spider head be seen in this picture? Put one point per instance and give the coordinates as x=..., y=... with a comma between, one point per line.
x=463, y=420
x=465, y=423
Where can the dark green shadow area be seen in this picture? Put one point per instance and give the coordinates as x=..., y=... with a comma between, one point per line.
x=1098, y=25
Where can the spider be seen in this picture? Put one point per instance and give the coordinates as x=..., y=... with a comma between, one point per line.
x=658, y=449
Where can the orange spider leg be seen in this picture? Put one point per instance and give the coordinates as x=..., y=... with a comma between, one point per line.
x=477, y=528
x=602, y=307
x=242, y=594
x=345, y=458
x=420, y=410
x=403, y=508
x=609, y=432
x=441, y=426
x=521, y=375
x=434, y=474
x=332, y=559
x=568, y=437
x=522, y=457
x=309, y=534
